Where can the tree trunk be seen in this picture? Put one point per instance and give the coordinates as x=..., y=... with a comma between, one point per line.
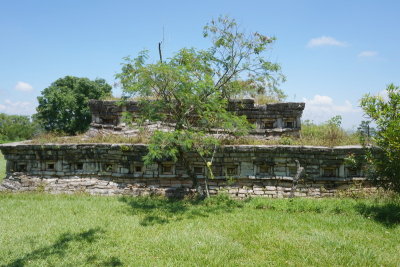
x=296, y=178
x=206, y=186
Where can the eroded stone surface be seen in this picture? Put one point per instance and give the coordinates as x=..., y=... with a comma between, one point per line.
x=271, y=120
x=241, y=171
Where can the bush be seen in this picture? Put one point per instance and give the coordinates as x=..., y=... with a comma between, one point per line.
x=16, y=128
x=385, y=112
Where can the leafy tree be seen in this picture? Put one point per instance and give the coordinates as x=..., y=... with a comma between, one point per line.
x=191, y=91
x=17, y=127
x=63, y=106
x=385, y=113
x=365, y=132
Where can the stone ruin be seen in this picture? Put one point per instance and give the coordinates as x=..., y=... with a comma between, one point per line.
x=271, y=120
x=240, y=171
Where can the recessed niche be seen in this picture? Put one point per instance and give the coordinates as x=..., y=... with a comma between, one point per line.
x=138, y=169
x=232, y=170
x=79, y=166
x=329, y=172
x=268, y=125
x=198, y=170
x=21, y=167
x=108, y=121
x=352, y=172
x=108, y=167
x=289, y=124
x=167, y=169
x=50, y=166
x=264, y=169
x=216, y=170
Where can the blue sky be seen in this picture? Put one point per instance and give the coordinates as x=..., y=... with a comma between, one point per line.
x=331, y=52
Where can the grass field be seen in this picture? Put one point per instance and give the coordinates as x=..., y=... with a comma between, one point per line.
x=2, y=167
x=79, y=230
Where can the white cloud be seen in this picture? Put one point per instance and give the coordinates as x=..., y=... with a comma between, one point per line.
x=321, y=108
x=368, y=54
x=23, y=86
x=325, y=41
x=18, y=107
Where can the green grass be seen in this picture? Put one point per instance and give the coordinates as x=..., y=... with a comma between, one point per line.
x=79, y=230
x=2, y=167
x=309, y=137
x=324, y=134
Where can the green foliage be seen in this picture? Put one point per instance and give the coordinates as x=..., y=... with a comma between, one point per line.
x=63, y=106
x=47, y=138
x=385, y=113
x=351, y=161
x=329, y=133
x=79, y=230
x=191, y=90
x=2, y=167
x=366, y=132
x=286, y=140
x=335, y=121
x=16, y=128
x=238, y=60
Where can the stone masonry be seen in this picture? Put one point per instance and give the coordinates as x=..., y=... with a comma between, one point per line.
x=271, y=120
x=240, y=171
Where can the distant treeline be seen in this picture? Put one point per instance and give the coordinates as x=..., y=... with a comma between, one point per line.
x=17, y=127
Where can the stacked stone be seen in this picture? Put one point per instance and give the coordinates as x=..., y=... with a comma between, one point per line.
x=240, y=171
x=107, y=115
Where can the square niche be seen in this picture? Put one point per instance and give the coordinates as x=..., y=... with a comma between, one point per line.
x=265, y=169
x=351, y=172
x=329, y=171
x=108, y=167
x=21, y=167
x=231, y=170
x=79, y=166
x=138, y=168
x=167, y=168
x=199, y=170
x=50, y=166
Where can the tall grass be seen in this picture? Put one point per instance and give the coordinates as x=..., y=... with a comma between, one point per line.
x=327, y=134
x=78, y=139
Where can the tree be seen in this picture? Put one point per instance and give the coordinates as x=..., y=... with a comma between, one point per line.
x=17, y=127
x=385, y=113
x=63, y=106
x=192, y=89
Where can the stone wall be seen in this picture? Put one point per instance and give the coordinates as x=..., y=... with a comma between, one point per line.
x=241, y=171
x=271, y=120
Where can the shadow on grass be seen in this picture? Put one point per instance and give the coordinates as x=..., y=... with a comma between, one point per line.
x=58, y=248
x=157, y=210
x=387, y=214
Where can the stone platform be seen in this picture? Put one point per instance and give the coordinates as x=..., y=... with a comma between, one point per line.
x=241, y=171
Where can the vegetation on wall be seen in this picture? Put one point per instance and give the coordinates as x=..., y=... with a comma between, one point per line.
x=384, y=111
x=63, y=106
x=192, y=90
x=312, y=134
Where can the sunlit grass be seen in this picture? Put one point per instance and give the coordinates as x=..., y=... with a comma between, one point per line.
x=311, y=135
x=76, y=230
x=2, y=167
